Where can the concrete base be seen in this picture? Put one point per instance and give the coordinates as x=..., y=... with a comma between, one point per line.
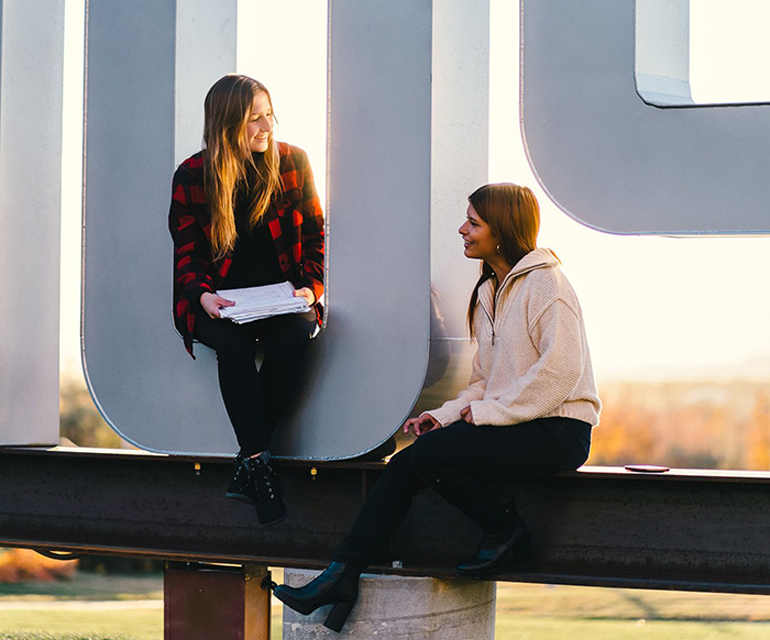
x=392, y=607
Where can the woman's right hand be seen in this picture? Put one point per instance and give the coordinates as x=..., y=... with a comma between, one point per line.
x=421, y=424
x=211, y=303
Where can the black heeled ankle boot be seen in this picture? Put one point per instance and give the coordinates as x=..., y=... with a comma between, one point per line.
x=238, y=489
x=337, y=585
x=510, y=550
x=266, y=490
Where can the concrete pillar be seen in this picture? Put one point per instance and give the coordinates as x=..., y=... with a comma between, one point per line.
x=404, y=608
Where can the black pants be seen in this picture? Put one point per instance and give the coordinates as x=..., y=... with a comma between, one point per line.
x=461, y=462
x=256, y=399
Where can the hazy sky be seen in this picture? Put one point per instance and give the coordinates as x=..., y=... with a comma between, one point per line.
x=657, y=307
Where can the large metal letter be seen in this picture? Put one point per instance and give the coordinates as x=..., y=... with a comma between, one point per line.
x=31, y=80
x=368, y=366
x=149, y=66
x=616, y=163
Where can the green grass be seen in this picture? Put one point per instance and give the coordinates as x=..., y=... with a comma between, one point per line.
x=133, y=624
x=532, y=628
x=87, y=586
x=524, y=612
x=543, y=612
x=594, y=603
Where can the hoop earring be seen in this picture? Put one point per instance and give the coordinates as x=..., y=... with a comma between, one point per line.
x=498, y=249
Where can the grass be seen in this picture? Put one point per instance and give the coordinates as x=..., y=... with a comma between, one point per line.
x=530, y=628
x=87, y=586
x=524, y=612
x=543, y=612
x=594, y=603
x=132, y=624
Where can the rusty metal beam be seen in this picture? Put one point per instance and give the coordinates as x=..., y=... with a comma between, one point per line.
x=686, y=529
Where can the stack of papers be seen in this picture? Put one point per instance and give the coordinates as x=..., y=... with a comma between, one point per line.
x=256, y=303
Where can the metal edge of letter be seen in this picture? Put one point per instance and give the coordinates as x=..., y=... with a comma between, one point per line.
x=612, y=161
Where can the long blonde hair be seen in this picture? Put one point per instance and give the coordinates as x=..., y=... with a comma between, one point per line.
x=513, y=216
x=226, y=157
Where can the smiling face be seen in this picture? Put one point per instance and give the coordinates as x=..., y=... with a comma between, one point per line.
x=260, y=123
x=478, y=240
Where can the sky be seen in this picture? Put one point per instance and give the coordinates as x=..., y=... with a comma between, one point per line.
x=655, y=308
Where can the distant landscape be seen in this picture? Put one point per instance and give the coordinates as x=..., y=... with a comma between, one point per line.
x=723, y=424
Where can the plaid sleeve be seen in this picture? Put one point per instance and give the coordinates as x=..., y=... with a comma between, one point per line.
x=191, y=246
x=312, y=265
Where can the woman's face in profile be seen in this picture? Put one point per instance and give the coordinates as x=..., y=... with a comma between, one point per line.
x=478, y=241
x=260, y=123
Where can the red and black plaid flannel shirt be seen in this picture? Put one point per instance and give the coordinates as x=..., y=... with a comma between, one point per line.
x=294, y=218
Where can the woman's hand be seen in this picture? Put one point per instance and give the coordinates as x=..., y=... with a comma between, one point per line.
x=212, y=303
x=467, y=415
x=307, y=293
x=421, y=424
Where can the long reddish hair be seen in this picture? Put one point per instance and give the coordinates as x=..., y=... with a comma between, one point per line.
x=513, y=215
x=226, y=156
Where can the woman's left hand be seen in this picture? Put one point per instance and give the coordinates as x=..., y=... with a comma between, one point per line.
x=307, y=293
x=467, y=415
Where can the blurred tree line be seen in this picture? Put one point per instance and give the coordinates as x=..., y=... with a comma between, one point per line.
x=79, y=420
x=684, y=424
x=699, y=424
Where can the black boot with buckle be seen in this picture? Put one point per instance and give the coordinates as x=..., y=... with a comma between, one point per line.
x=337, y=585
x=266, y=489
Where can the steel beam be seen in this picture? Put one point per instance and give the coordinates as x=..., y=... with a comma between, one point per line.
x=685, y=529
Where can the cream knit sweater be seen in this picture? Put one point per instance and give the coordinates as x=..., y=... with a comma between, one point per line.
x=532, y=359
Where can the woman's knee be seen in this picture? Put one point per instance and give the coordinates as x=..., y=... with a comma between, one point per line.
x=231, y=347
x=427, y=450
x=287, y=334
x=441, y=447
x=399, y=466
x=295, y=329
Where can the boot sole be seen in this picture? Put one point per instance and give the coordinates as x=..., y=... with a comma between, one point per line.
x=266, y=525
x=486, y=575
x=517, y=560
x=239, y=497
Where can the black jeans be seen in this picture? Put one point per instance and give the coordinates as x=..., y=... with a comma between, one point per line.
x=256, y=399
x=461, y=462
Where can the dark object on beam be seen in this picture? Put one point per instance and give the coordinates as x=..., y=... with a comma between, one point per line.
x=685, y=529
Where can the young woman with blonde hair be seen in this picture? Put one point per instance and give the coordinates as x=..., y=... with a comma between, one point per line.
x=245, y=212
x=527, y=412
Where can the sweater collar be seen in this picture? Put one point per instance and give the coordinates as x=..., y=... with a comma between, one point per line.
x=537, y=259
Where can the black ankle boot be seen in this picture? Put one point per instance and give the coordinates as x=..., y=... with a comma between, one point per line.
x=238, y=489
x=266, y=490
x=337, y=585
x=507, y=551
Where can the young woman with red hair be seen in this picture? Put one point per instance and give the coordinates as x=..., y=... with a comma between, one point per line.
x=244, y=213
x=528, y=410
